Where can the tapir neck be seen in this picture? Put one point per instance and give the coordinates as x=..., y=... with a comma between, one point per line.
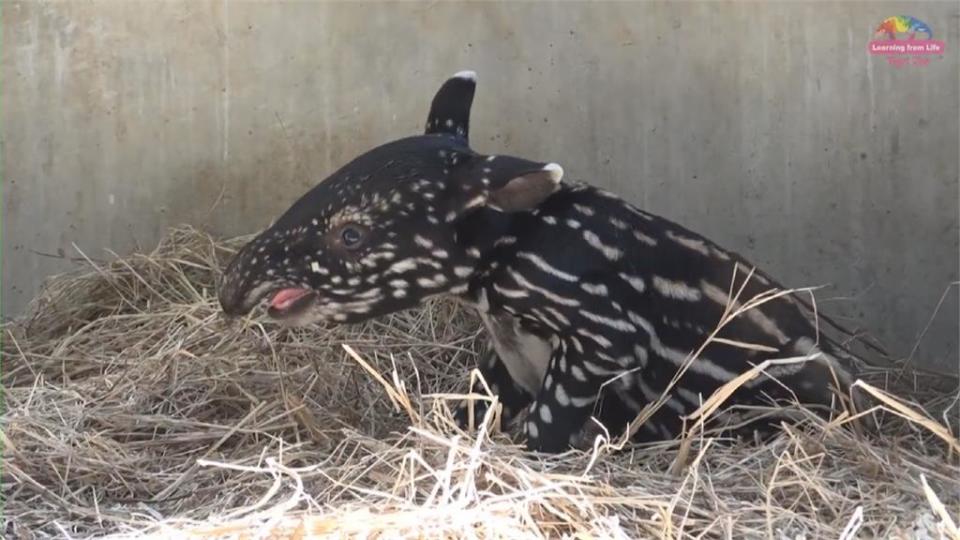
x=482, y=228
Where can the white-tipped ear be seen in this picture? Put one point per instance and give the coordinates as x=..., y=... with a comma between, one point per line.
x=504, y=183
x=467, y=74
x=528, y=190
x=450, y=108
x=555, y=171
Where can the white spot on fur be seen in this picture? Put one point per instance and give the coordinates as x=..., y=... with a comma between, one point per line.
x=546, y=293
x=634, y=281
x=598, y=339
x=641, y=355
x=690, y=243
x=610, y=252
x=585, y=210
x=400, y=267
x=558, y=316
x=422, y=242
x=546, y=267
x=650, y=241
x=600, y=370
x=580, y=402
x=438, y=280
x=724, y=256
x=676, y=289
x=616, y=324
x=545, y=414
x=598, y=289
x=510, y=293
x=577, y=373
x=639, y=213
x=619, y=223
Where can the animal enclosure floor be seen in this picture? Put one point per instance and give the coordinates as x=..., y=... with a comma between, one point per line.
x=134, y=409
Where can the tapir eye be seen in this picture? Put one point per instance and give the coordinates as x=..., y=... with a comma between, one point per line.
x=351, y=237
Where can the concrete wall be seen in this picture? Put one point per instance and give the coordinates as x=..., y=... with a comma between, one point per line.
x=768, y=127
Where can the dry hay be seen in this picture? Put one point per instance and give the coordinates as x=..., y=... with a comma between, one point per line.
x=134, y=409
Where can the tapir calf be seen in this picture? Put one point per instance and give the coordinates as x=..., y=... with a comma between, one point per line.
x=593, y=306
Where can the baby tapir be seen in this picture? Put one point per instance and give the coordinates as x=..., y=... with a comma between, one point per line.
x=592, y=305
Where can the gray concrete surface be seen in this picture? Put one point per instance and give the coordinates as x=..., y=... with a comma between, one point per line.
x=767, y=127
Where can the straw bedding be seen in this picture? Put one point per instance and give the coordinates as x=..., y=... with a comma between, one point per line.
x=134, y=409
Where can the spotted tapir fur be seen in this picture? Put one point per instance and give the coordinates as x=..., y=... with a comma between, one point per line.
x=592, y=305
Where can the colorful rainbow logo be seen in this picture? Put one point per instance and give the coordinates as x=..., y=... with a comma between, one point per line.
x=905, y=40
x=903, y=24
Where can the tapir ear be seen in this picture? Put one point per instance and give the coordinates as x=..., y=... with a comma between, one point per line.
x=450, y=110
x=508, y=184
x=526, y=191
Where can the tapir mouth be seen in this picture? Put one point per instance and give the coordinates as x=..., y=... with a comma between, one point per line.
x=290, y=302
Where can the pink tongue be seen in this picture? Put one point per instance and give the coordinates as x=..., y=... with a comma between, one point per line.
x=285, y=297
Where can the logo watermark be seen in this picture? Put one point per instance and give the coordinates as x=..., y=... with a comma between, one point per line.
x=905, y=40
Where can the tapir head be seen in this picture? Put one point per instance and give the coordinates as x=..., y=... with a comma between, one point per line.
x=378, y=235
